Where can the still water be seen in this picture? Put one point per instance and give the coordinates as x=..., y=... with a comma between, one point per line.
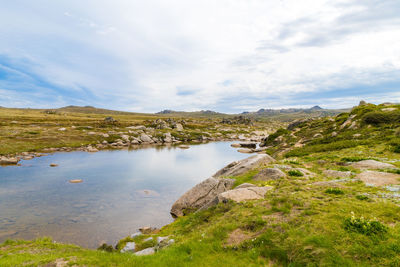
x=122, y=190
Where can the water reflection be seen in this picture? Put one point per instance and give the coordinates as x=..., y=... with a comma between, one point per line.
x=121, y=191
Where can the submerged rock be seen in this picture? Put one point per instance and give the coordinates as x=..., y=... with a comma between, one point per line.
x=76, y=181
x=184, y=147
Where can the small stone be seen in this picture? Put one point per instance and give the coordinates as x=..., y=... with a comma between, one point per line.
x=76, y=181
x=53, y=165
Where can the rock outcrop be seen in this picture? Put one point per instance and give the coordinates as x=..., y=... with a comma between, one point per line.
x=269, y=174
x=372, y=164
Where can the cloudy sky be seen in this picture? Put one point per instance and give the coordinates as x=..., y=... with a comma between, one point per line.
x=225, y=55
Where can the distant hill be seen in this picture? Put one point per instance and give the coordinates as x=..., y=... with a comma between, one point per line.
x=91, y=110
x=290, y=114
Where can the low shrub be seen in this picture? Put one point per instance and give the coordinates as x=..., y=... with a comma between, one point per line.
x=296, y=173
x=362, y=197
x=380, y=117
x=334, y=191
x=364, y=226
x=352, y=159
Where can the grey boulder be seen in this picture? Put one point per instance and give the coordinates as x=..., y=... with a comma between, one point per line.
x=200, y=195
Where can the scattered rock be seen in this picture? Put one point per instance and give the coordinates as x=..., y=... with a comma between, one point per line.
x=129, y=247
x=145, y=138
x=146, y=251
x=244, y=185
x=8, y=161
x=269, y=174
x=335, y=174
x=235, y=145
x=248, y=145
x=349, y=121
x=62, y=129
x=76, y=181
x=179, y=127
x=375, y=178
x=239, y=167
x=167, y=138
x=243, y=194
x=245, y=150
x=200, y=195
x=372, y=164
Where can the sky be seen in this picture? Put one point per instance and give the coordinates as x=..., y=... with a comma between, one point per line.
x=226, y=55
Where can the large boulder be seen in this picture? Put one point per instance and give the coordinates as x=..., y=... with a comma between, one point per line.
x=240, y=167
x=243, y=194
x=372, y=164
x=269, y=174
x=200, y=195
x=375, y=178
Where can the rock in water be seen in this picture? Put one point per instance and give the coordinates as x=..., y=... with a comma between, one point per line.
x=200, y=195
x=53, y=165
x=239, y=167
x=269, y=174
x=184, y=147
x=76, y=181
x=245, y=150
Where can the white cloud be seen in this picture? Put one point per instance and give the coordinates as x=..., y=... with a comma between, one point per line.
x=135, y=55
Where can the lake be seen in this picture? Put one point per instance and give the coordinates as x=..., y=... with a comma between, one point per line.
x=122, y=190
